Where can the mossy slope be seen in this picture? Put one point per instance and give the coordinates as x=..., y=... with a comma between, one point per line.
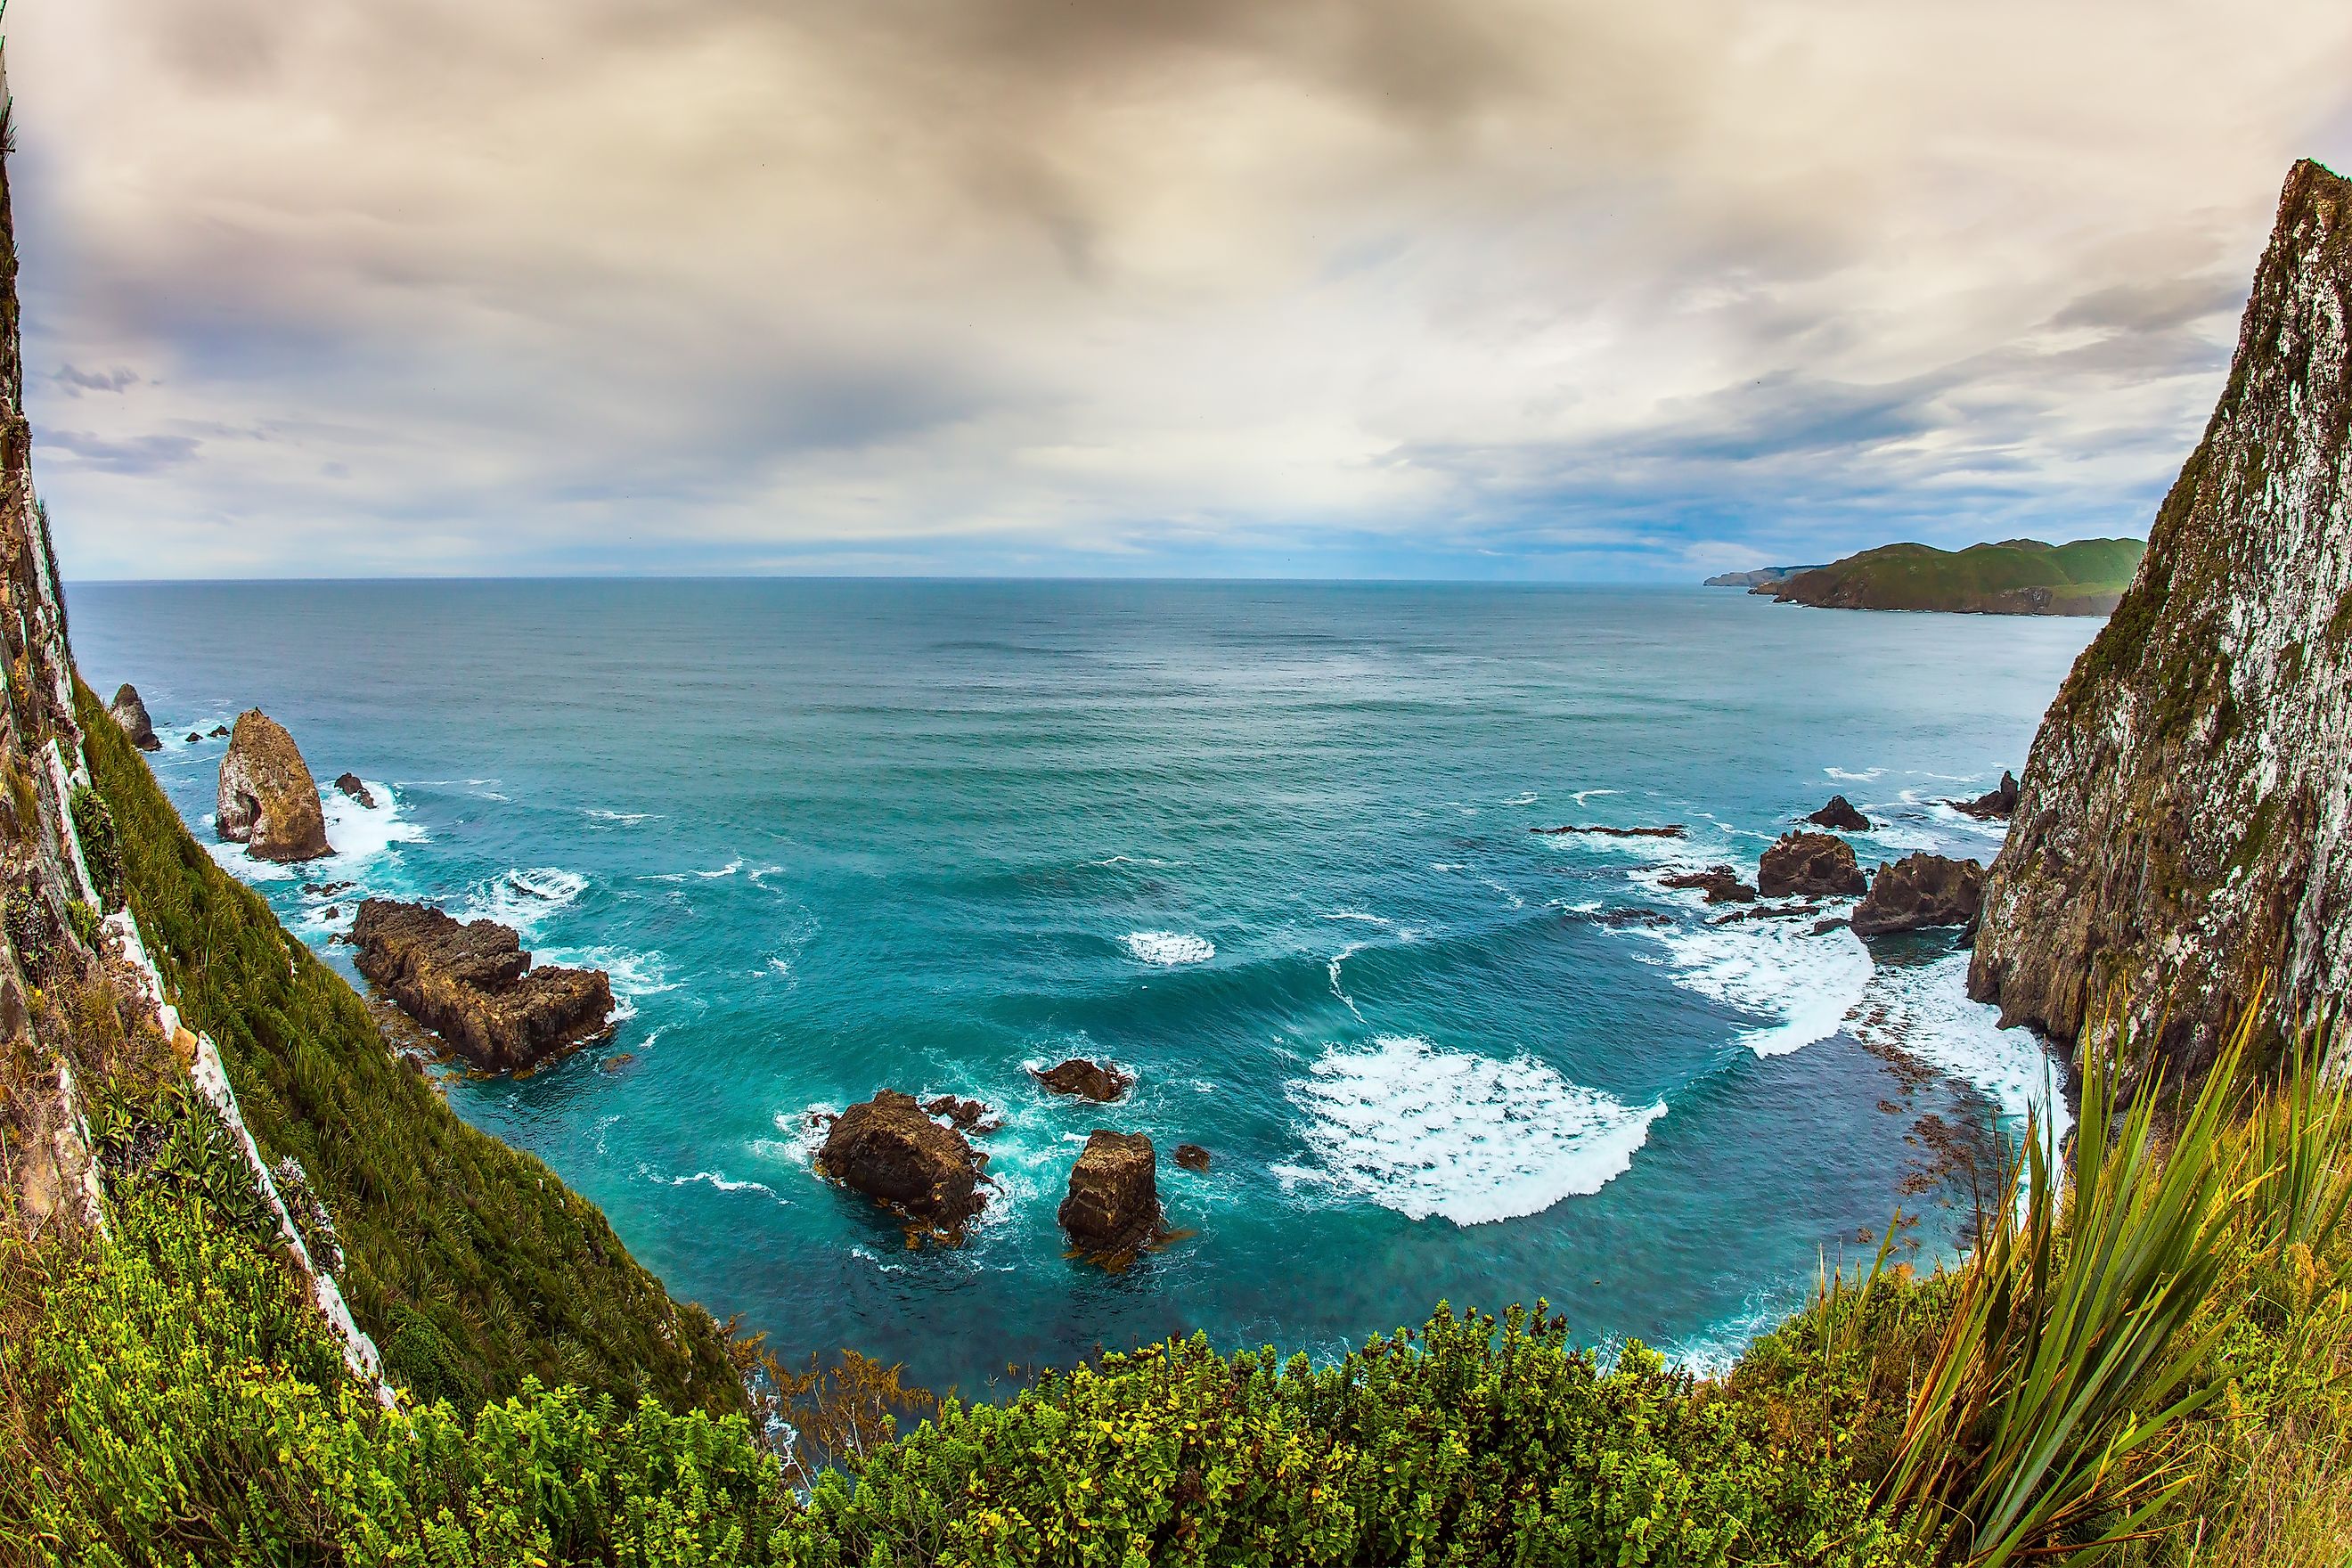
x=2014, y=577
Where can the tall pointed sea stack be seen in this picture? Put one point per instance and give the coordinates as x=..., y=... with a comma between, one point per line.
x=2185, y=824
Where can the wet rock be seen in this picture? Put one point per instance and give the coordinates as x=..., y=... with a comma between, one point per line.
x=1669, y=830
x=1091, y=1079
x=1841, y=814
x=1918, y=891
x=890, y=1151
x=193, y=738
x=1113, y=1206
x=1823, y=928
x=1720, y=883
x=327, y=889
x=268, y=800
x=330, y=912
x=1768, y=912
x=1996, y=804
x=1192, y=1157
x=1623, y=916
x=1809, y=865
x=127, y=711
x=218, y=731
x=965, y=1114
x=354, y=787
x=474, y=986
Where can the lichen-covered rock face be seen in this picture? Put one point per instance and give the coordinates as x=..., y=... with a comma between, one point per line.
x=128, y=711
x=268, y=800
x=474, y=986
x=889, y=1150
x=2184, y=827
x=1113, y=1206
x=1813, y=865
x=1919, y=891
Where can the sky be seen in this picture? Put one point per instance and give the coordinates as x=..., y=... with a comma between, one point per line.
x=1458, y=289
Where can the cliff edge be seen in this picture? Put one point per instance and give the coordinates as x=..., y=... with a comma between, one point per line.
x=2184, y=827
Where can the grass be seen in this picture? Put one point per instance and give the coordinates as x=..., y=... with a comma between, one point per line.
x=1983, y=577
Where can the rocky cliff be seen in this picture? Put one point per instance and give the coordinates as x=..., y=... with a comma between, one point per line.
x=2184, y=827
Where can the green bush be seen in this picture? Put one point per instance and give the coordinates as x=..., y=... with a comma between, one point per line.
x=101, y=847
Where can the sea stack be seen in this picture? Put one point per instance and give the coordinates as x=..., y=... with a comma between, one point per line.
x=1809, y=865
x=1919, y=891
x=473, y=984
x=889, y=1150
x=2184, y=827
x=1113, y=1206
x=268, y=800
x=127, y=711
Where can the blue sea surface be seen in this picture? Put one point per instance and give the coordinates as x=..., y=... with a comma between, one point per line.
x=1266, y=846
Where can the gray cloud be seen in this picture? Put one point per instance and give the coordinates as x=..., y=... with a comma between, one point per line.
x=1139, y=285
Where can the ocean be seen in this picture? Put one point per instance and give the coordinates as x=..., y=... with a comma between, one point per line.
x=1267, y=847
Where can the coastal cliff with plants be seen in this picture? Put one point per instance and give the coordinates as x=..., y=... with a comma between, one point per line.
x=2013, y=578
x=264, y=1298
x=2183, y=831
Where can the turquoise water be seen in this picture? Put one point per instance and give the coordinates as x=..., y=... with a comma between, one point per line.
x=1266, y=846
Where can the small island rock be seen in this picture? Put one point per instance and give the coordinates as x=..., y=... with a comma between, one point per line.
x=268, y=800
x=1113, y=1206
x=1841, y=814
x=1192, y=1157
x=890, y=1150
x=1092, y=1079
x=1721, y=884
x=1918, y=891
x=1996, y=804
x=193, y=738
x=127, y=711
x=1812, y=865
x=353, y=786
x=218, y=731
x=473, y=984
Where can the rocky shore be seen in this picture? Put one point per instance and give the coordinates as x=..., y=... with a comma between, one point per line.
x=472, y=983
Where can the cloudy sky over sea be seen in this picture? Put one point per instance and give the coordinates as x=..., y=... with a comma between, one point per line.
x=1555, y=291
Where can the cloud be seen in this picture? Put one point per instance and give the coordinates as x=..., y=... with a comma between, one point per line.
x=1337, y=286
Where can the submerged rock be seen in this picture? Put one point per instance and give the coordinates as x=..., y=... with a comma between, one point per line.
x=2183, y=835
x=1666, y=830
x=966, y=1115
x=473, y=984
x=1192, y=1157
x=1809, y=865
x=127, y=711
x=1091, y=1079
x=1996, y=804
x=1113, y=1206
x=1721, y=884
x=268, y=800
x=356, y=789
x=1841, y=814
x=888, y=1149
x=1918, y=891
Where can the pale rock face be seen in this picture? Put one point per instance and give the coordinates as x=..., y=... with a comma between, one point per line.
x=268, y=800
x=2184, y=829
x=128, y=711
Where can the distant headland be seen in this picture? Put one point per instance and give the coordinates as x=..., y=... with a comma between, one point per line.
x=2014, y=577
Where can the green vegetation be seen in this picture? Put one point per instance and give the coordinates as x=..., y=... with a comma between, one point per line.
x=2017, y=576
x=470, y=1264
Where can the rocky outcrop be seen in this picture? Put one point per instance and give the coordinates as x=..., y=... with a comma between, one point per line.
x=1721, y=884
x=1192, y=1157
x=2184, y=827
x=1665, y=830
x=1089, y=1081
x=1809, y=865
x=1918, y=891
x=473, y=984
x=1998, y=803
x=964, y=1115
x=1113, y=1206
x=355, y=788
x=890, y=1150
x=127, y=711
x=1841, y=814
x=268, y=800
x=1764, y=577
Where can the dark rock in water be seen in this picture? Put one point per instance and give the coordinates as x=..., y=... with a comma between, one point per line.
x=218, y=731
x=1113, y=1206
x=130, y=713
x=474, y=986
x=888, y=1149
x=1669, y=830
x=193, y=737
x=330, y=912
x=1092, y=1079
x=353, y=785
x=1996, y=804
x=1623, y=916
x=1768, y=912
x=1192, y=1157
x=1823, y=928
x=1841, y=814
x=1720, y=883
x=1809, y=865
x=267, y=801
x=1918, y=891
x=327, y=889
x=965, y=1114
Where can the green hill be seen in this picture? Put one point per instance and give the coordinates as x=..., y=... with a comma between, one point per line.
x=2014, y=577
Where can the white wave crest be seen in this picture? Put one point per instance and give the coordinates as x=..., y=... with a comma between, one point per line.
x=1863, y=778
x=620, y=818
x=523, y=896
x=725, y=1183
x=1773, y=967
x=1468, y=1139
x=1168, y=948
x=634, y=973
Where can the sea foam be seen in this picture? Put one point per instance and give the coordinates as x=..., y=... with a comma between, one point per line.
x=1428, y=1131
x=1169, y=949
x=523, y=896
x=1924, y=1011
x=1775, y=967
